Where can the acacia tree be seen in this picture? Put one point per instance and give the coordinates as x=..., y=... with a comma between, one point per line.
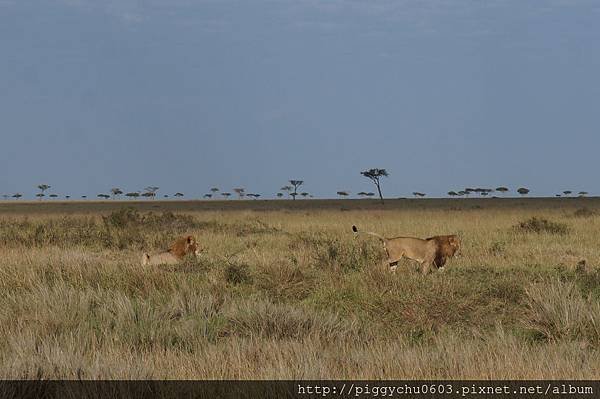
x=240, y=192
x=375, y=175
x=214, y=190
x=296, y=184
x=567, y=192
x=42, y=187
x=116, y=191
x=502, y=190
x=583, y=193
x=178, y=195
x=5, y=196
x=17, y=195
x=523, y=191
x=469, y=191
x=343, y=193
x=132, y=195
x=150, y=192
x=226, y=195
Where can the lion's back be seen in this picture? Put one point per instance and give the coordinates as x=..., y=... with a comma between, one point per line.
x=414, y=248
x=159, y=259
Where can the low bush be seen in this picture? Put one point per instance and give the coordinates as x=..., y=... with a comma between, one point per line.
x=540, y=225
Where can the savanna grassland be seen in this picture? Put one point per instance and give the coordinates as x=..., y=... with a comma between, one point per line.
x=284, y=290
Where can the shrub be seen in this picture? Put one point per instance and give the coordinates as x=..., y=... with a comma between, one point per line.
x=540, y=225
x=237, y=273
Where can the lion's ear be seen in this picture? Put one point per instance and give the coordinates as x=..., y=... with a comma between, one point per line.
x=190, y=239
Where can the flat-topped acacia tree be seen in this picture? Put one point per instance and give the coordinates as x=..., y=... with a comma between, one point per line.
x=375, y=175
x=42, y=187
x=116, y=191
x=150, y=192
x=295, y=184
x=240, y=191
x=502, y=190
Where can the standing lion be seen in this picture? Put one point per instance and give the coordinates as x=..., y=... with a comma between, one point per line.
x=422, y=251
x=175, y=254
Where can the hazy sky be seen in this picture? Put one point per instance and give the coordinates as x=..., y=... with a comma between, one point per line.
x=190, y=94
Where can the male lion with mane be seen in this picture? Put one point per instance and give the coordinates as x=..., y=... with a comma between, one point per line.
x=175, y=254
x=447, y=247
x=417, y=249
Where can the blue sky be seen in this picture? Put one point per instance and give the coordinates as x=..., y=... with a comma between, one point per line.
x=190, y=94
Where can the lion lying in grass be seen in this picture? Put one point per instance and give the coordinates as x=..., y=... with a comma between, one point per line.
x=417, y=249
x=175, y=254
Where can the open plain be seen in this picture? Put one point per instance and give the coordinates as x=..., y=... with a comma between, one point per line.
x=283, y=290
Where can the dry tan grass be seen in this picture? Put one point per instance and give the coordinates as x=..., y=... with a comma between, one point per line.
x=292, y=294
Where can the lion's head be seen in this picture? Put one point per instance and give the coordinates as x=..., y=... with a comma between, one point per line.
x=447, y=247
x=185, y=246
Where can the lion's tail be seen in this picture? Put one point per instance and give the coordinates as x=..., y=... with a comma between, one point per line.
x=355, y=230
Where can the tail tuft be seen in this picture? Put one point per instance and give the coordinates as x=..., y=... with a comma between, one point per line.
x=354, y=229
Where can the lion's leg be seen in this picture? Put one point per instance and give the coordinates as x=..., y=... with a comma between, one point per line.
x=393, y=263
x=426, y=266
